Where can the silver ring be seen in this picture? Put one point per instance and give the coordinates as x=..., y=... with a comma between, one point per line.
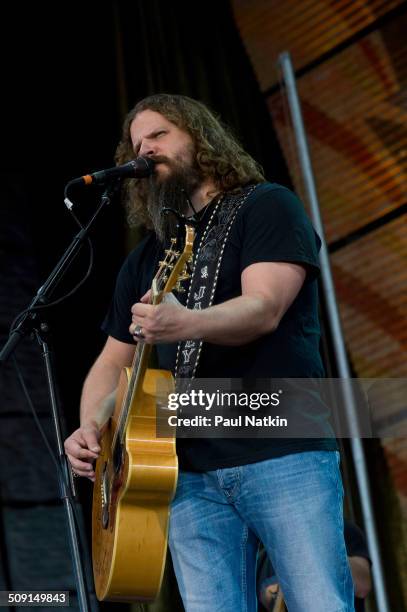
x=138, y=332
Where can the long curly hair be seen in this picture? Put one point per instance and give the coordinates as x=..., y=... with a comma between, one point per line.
x=218, y=154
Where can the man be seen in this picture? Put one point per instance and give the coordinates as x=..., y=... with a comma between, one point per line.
x=256, y=261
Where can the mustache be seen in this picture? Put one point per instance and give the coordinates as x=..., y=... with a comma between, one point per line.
x=160, y=159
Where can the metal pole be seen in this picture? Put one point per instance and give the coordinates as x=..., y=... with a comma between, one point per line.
x=337, y=335
x=63, y=478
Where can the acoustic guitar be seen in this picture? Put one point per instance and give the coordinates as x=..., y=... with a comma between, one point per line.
x=136, y=472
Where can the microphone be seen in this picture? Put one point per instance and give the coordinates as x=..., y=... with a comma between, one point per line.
x=136, y=168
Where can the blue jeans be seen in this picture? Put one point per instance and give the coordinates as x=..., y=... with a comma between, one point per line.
x=293, y=504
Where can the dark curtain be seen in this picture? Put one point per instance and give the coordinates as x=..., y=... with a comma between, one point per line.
x=195, y=50
x=70, y=72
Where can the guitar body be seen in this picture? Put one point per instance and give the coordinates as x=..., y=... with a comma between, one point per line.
x=132, y=493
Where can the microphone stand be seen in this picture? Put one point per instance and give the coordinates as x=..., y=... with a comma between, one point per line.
x=32, y=323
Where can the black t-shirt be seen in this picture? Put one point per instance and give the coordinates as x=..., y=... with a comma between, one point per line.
x=270, y=226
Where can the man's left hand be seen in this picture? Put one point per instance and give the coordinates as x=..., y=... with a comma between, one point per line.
x=161, y=323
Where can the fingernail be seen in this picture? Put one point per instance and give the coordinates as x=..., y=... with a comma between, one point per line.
x=95, y=449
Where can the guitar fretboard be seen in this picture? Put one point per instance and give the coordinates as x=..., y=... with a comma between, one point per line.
x=138, y=368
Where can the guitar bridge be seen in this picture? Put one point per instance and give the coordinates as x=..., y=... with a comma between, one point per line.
x=105, y=496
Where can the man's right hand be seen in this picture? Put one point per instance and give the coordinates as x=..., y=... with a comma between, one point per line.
x=82, y=449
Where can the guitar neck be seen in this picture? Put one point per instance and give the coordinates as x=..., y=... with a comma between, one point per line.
x=172, y=270
x=138, y=369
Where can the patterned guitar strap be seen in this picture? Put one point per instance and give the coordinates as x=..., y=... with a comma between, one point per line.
x=204, y=278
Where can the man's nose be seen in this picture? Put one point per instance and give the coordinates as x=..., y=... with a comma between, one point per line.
x=147, y=149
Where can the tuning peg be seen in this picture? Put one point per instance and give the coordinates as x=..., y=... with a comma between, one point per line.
x=166, y=264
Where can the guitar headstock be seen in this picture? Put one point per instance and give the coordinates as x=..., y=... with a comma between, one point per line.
x=173, y=269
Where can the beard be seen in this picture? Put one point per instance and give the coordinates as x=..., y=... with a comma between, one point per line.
x=171, y=191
